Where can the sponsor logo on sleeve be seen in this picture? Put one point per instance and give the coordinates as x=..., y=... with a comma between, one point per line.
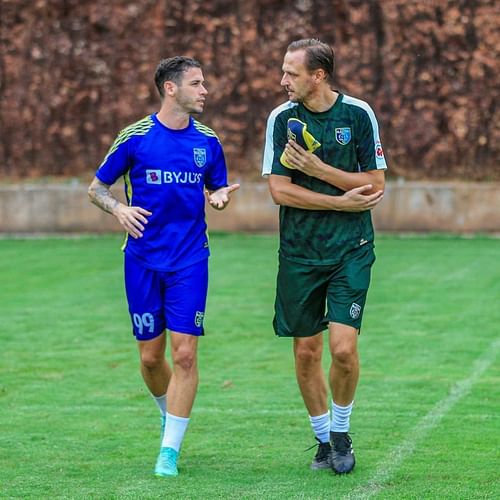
x=379, y=152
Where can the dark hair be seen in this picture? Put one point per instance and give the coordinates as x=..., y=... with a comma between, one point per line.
x=171, y=69
x=319, y=55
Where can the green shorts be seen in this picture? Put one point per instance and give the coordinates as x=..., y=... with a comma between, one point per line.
x=309, y=297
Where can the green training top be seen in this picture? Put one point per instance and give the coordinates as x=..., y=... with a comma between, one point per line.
x=349, y=137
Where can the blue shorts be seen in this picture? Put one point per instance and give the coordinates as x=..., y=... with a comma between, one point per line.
x=158, y=300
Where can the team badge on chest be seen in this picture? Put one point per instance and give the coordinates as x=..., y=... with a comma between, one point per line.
x=343, y=135
x=200, y=156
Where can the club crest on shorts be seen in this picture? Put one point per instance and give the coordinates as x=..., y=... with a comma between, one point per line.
x=198, y=318
x=343, y=135
x=200, y=156
x=355, y=310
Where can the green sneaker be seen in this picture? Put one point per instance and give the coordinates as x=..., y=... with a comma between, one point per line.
x=166, y=465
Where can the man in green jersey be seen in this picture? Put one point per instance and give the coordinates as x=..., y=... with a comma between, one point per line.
x=326, y=171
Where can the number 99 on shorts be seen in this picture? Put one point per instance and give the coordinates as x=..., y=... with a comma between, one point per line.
x=144, y=322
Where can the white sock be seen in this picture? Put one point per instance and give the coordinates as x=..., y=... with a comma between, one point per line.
x=340, y=417
x=161, y=401
x=321, y=426
x=175, y=429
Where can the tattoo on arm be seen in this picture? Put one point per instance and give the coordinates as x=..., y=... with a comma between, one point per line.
x=101, y=196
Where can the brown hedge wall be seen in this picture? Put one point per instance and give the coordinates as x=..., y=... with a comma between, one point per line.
x=73, y=72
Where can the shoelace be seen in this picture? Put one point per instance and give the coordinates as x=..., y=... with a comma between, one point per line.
x=323, y=449
x=342, y=444
x=168, y=459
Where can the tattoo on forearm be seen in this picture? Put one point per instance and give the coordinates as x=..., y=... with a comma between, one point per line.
x=101, y=196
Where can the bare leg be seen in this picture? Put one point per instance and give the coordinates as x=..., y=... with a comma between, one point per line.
x=309, y=373
x=184, y=381
x=155, y=369
x=344, y=371
x=180, y=394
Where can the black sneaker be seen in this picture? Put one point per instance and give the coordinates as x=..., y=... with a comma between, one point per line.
x=322, y=458
x=342, y=460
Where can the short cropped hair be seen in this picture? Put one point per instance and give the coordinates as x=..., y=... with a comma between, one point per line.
x=319, y=55
x=172, y=69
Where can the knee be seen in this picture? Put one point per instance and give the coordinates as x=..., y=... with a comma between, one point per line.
x=345, y=357
x=306, y=356
x=151, y=360
x=184, y=358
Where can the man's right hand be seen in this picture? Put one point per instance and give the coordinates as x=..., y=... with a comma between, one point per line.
x=355, y=201
x=132, y=219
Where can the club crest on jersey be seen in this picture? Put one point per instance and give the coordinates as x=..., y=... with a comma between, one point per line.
x=355, y=310
x=343, y=135
x=198, y=319
x=200, y=156
x=153, y=176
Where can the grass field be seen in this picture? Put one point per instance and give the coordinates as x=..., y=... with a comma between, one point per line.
x=76, y=421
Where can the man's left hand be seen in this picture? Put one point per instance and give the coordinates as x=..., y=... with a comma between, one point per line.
x=220, y=198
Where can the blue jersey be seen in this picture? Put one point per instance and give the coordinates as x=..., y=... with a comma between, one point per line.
x=165, y=171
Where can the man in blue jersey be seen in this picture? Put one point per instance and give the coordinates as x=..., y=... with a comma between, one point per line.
x=326, y=171
x=170, y=162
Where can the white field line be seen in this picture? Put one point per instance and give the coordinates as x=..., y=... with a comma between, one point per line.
x=392, y=462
